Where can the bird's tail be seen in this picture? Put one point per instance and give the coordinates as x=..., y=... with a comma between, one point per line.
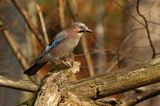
x=34, y=68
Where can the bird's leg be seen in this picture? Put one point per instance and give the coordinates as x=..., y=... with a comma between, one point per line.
x=57, y=61
x=69, y=60
x=67, y=63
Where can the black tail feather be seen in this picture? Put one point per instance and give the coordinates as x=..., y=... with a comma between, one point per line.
x=34, y=68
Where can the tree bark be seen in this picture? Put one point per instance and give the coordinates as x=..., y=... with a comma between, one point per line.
x=56, y=84
x=118, y=81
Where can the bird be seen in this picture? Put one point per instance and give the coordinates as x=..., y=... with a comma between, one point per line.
x=60, y=47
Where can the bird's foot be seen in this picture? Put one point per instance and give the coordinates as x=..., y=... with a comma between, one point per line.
x=67, y=64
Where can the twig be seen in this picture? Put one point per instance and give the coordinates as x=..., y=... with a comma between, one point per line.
x=61, y=13
x=152, y=22
x=116, y=59
x=29, y=23
x=114, y=62
x=88, y=57
x=134, y=4
x=18, y=84
x=42, y=25
x=72, y=7
x=147, y=29
x=74, y=14
x=126, y=12
x=100, y=33
x=14, y=46
x=3, y=27
x=17, y=51
x=94, y=51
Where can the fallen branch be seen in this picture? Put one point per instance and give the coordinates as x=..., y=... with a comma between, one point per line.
x=141, y=95
x=51, y=89
x=18, y=84
x=116, y=82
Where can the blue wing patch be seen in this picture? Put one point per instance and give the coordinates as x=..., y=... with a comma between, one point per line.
x=56, y=41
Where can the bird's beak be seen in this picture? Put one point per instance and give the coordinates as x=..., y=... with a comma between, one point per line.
x=88, y=30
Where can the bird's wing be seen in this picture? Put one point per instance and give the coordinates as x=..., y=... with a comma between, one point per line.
x=58, y=39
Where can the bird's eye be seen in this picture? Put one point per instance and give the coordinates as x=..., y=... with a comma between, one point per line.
x=81, y=29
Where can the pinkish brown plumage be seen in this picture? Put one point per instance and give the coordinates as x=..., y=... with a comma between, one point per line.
x=62, y=46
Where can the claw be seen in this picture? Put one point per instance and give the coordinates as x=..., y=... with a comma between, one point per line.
x=68, y=64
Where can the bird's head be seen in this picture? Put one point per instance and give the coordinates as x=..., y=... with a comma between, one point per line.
x=81, y=27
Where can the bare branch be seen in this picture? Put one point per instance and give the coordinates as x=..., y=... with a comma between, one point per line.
x=61, y=13
x=29, y=23
x=72, y=7
x=18, y=84
x=14, y=46
x=88, y=57
x=42, y=25
x=147, y=29
x=126, y=12
x=3, y=27
x=116, y=82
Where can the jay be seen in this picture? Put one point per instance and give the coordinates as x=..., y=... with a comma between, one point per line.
x=61, y=46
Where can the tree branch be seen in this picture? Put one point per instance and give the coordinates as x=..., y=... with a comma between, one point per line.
x=15, y=48
x=43, y=27
x=18, y=84
x=118, y=81
x=128, y=13
x=141, y=96
x=51, y=89
x=62, y=13
x=147, y=29
x=26, y=18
